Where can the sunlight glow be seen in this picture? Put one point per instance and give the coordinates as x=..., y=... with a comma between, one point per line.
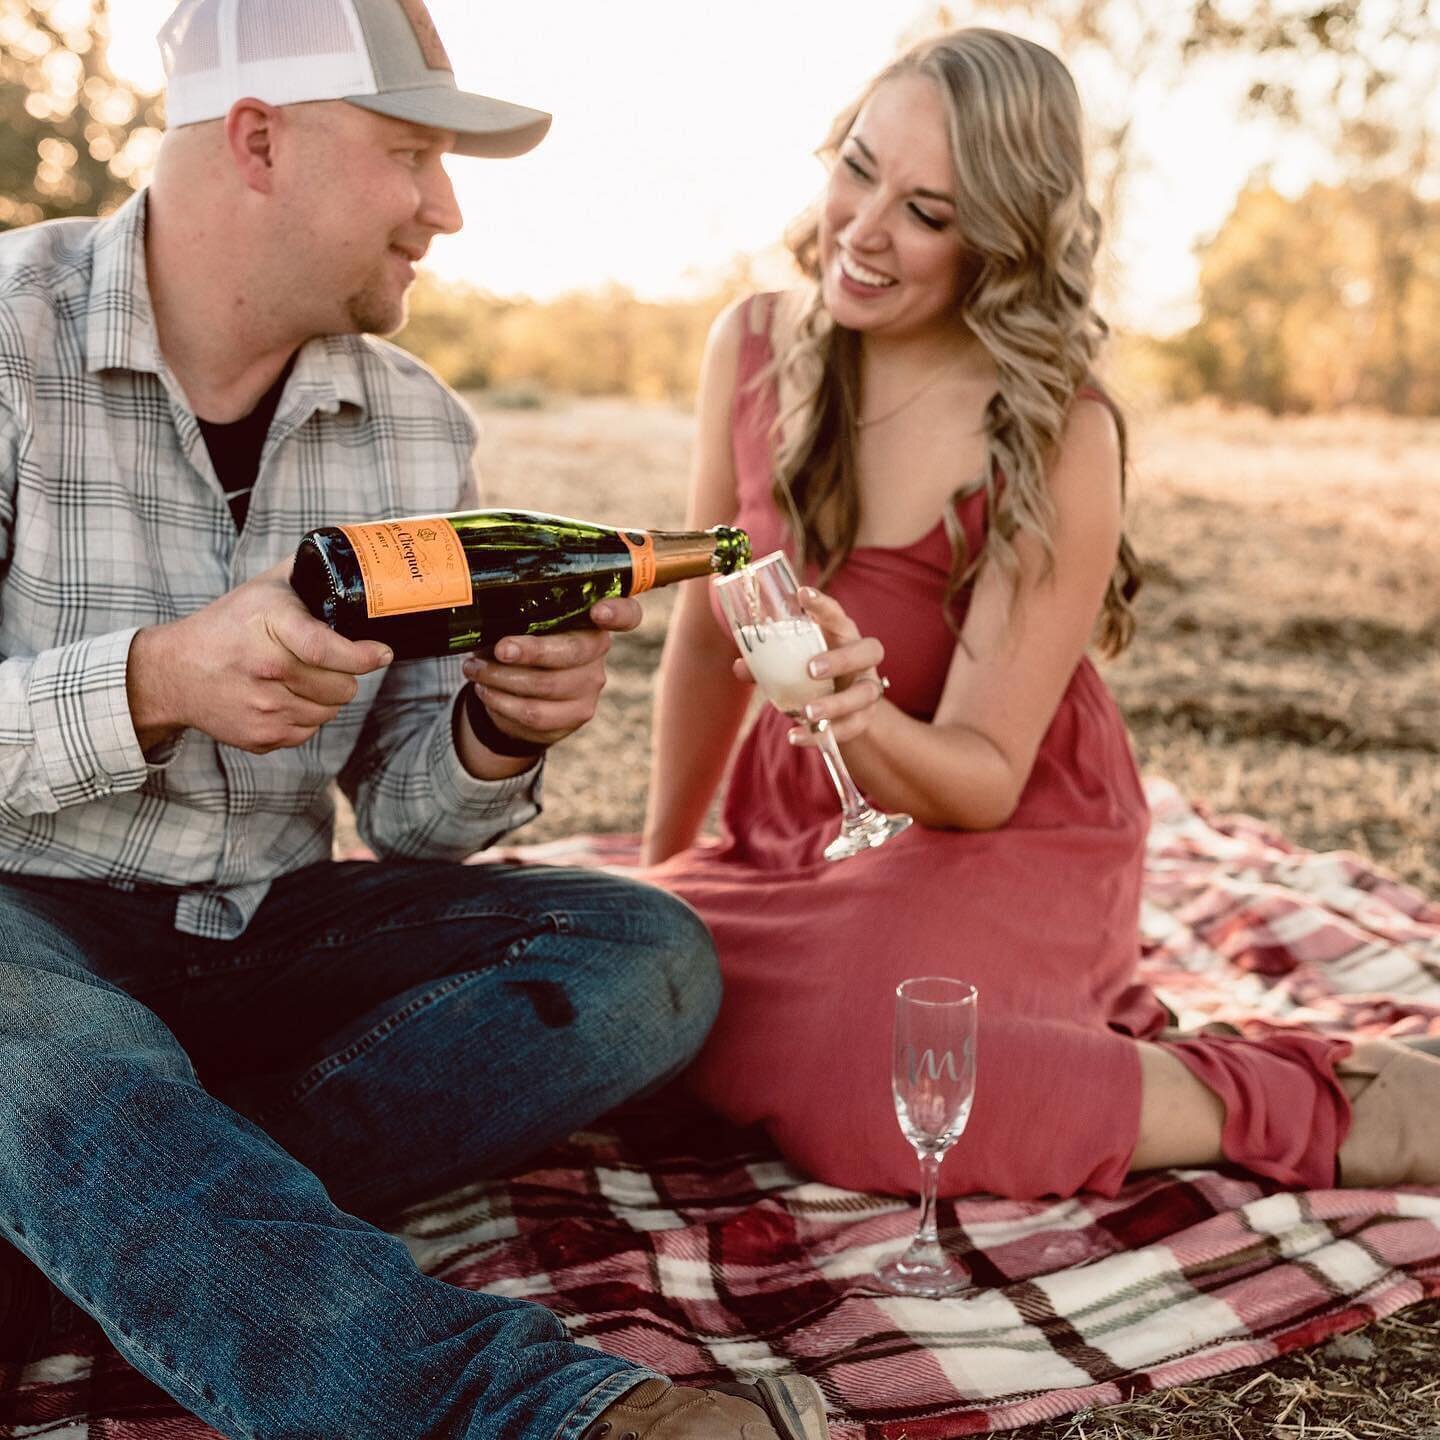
x=683, y=137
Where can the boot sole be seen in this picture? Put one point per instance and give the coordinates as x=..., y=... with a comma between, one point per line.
x=796, y=1406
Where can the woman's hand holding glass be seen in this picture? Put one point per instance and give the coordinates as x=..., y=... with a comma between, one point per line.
x=851, y=663
x=784, y=642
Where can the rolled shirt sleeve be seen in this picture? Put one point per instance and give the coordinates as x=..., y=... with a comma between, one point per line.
x=413, y=797
x=66, y=736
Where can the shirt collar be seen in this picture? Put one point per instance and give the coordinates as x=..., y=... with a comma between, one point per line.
x=120, y=333
x=327, y=373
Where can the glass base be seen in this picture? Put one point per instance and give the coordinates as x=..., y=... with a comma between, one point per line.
x=866, y=833
x=926, y=1271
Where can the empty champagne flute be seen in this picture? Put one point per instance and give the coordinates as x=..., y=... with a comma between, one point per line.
x=778, y=640
x=933, y=1083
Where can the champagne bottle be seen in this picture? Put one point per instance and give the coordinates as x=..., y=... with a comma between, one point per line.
x=443, y=584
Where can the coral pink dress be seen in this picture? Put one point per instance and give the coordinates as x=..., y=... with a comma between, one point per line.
x=1040, y=915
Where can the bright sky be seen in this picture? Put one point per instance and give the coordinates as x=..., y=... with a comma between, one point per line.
x=684, y=134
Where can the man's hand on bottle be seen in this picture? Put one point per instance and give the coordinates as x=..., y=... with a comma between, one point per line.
x=253, y=669
x=542, y=688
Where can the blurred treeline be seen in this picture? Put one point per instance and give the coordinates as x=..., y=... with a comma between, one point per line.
x=1326, y=301
x=1312, y=304
x=1315, y=301
x=603, y=342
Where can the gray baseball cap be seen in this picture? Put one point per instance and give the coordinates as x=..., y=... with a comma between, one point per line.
x=383, y=55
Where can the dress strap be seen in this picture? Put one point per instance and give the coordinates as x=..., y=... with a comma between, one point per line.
x=760, y=313
x=756, y=405
x=756, y=347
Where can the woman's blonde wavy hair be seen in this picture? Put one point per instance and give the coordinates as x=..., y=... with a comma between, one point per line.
x=1030, y=237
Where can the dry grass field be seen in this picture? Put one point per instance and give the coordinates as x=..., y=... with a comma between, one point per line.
x=1287, y=664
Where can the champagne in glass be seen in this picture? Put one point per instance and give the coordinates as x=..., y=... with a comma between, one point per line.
x=933, y=1084
x=778, y=640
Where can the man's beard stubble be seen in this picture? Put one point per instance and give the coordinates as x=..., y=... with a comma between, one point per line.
x=372, y=311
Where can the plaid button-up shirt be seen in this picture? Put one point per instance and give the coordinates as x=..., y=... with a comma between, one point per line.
x=111, y=519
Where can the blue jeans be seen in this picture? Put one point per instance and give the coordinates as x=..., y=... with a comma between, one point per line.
x=196, y=1134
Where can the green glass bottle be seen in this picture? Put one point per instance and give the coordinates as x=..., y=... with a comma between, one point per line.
x=443, y=584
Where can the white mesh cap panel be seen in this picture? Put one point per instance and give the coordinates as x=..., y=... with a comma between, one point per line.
x=190, y=40
x=279, y=51
x=271, y=28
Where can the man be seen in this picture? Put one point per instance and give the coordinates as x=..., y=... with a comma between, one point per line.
x=225, y=1053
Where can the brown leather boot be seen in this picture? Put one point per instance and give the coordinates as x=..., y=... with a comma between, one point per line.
x=1394, y=1138
x=781, y=1407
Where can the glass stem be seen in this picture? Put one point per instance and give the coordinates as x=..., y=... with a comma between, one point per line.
x=851, y=800
x=927, y=1233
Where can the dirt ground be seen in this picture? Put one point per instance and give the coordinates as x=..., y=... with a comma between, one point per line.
x=1287, y=664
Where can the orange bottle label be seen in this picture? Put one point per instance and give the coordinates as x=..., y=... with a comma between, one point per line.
x=641, y=546
x=410, y=565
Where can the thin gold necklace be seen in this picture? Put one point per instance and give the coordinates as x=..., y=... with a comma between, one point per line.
x=862, y=424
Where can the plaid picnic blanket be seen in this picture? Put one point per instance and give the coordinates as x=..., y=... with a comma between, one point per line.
x=676, y=1241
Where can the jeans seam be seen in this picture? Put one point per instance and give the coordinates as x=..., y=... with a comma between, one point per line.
x=339, y=939
x=306, y=1084
x=202, y=1393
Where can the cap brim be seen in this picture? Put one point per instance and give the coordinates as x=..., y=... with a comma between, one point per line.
x=492, y=128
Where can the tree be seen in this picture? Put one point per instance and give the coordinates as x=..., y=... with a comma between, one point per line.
x=1359, y=77
x=454, y=328
x=1362, y=80
x=74, y=139
x=1333, y=330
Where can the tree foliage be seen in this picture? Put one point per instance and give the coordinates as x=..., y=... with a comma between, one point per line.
x=604, y=342
x=1361, y=80
x=1328, y=300
x=1358, y=75
x=74, y=139
x=1324, y=300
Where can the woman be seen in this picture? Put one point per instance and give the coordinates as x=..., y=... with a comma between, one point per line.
x=921, y=430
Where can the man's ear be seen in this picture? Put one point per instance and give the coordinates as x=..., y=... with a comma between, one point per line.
x=251, y=131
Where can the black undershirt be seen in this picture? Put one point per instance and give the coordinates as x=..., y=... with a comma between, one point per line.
x=235, y=447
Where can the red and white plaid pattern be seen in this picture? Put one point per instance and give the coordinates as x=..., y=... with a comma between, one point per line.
x=695, y=1249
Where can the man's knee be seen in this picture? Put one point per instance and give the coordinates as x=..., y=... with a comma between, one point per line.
x=684, y=955
x=658, y=982
x=695, y=971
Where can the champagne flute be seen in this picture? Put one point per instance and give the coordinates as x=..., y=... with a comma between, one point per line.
x=778, y=639
x=933, y=1082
